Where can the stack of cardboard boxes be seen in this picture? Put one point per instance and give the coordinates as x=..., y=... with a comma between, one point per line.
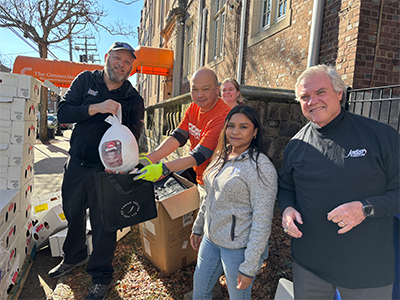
x=19, y=98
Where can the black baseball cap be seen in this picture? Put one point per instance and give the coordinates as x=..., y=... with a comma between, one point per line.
x=122, y=45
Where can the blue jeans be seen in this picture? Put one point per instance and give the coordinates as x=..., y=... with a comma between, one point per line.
x=211, y=261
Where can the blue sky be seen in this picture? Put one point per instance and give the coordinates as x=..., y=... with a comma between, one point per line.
x=11, y=45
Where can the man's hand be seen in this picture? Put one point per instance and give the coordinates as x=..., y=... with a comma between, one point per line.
x=243, y=281
x=150, y=173
x=288, y=217
x=108, y=106
x=195, y=241
x=347, y=216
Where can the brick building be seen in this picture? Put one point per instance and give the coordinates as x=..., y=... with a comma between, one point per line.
x=267, y=43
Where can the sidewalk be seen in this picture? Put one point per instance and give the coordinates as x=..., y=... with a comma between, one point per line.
x=49, y=162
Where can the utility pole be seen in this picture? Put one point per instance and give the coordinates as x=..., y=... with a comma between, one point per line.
x=86, y=57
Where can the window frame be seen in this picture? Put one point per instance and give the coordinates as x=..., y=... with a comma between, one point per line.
x=217, y=31
x=189, y=46
x=257, y=31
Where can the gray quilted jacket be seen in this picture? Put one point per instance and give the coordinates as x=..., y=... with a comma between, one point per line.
x=238, y=208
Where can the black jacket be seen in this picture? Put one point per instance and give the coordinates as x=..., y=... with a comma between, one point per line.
x=89, y=88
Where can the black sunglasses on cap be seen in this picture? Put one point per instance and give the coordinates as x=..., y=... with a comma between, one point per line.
x=123, y=45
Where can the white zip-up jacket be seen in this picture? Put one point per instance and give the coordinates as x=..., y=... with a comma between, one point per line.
x=238, y=208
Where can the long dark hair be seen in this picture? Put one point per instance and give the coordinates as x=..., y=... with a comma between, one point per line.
x=223, y=148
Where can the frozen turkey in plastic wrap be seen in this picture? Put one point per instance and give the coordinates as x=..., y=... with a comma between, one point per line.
x=118, y=148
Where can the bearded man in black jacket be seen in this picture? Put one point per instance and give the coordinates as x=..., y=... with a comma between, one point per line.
x=91, y=98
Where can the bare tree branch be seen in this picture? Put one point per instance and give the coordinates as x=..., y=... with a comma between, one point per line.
x=49, y=22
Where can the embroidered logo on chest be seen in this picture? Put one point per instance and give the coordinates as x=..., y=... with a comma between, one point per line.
x=356, y=153
x=92, y=92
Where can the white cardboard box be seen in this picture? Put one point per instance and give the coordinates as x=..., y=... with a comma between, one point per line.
x=24, y=86
x=45, y=202
x=53, y=221
x=17, y=132
x=11, y=233
x=16, y=154
x=11, y=277
x=26, y=192
x=13, y=252
x=9, y=208
x=25, y=241
x=56, y=242
x=15, y=177
x=25, y=214
x=17, y=109
x=284, y=290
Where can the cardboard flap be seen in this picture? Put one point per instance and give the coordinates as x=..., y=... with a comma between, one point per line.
x=6, y=99
x=183, y=202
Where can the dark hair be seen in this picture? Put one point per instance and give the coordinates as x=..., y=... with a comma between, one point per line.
x=223, y=148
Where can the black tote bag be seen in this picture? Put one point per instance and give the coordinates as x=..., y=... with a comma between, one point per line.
x=124, y=202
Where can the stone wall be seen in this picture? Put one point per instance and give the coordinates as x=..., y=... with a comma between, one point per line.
x=280, y=115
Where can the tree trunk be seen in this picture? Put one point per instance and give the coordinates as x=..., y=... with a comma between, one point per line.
x=43, y=101
x=43, y=115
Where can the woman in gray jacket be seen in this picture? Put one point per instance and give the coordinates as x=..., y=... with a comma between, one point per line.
x=232, y=228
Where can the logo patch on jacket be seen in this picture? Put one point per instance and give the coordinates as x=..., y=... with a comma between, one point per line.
x=356, y=153
x=93, y=93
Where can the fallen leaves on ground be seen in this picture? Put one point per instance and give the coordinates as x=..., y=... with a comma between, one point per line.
x=137, y=278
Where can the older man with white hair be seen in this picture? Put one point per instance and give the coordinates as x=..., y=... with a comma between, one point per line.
x=339, y=192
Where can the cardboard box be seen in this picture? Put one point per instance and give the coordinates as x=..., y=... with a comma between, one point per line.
x=9, y=208
x=166, y=239
x=10, y=234
x=17, y=109
x=17, y=132
x=53, y=221
x=23, y=86
x=56, y=242
x=122, y=232
x=284, y=290
x=10, y=278
x=26, y=192
x=44, y=203
x=12, y=254
x=25, y=242
x=16, y=155
x=15, y=177
x=25, y=214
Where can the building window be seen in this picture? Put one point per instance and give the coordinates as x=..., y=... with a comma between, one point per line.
x=266, y=14
x=281, y=8
x=217, y=28
x=275, y=16
x=189, y=49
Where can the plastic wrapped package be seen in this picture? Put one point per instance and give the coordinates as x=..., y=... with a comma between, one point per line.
x=118, y=148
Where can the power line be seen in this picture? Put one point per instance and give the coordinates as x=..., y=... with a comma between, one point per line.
x=25, y=40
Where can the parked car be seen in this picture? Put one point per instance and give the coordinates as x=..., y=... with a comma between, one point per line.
x=52, y=120
x=65, y=126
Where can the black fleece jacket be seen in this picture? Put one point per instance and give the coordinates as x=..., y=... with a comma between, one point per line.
x=89, y=88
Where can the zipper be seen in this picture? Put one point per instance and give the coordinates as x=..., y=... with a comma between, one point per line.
x=233, y=227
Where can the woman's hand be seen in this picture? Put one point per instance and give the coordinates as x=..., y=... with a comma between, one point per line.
x=195, y=241
x=243, y=281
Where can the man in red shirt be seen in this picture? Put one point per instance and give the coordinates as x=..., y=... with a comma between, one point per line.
x=201, y=124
